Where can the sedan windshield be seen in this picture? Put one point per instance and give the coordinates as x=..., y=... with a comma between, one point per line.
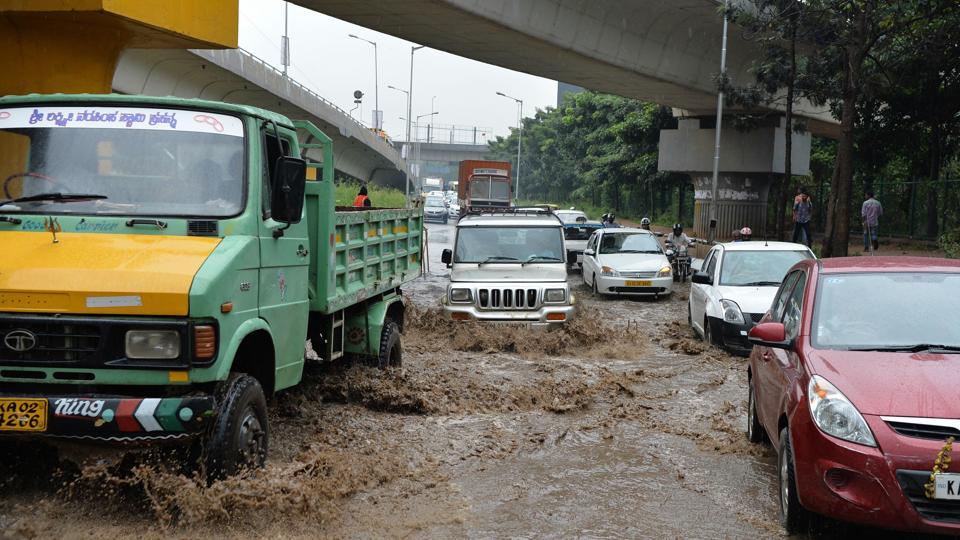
x=612, y=243
x=913, y=311
x=760, y=268
x=151, y=162
x=434, y=201
x=509, y=245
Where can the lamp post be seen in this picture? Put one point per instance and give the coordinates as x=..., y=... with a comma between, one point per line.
x=519, y=136
x=711, y=233
x=409, y=107
x=419, y=165
x=377, y=114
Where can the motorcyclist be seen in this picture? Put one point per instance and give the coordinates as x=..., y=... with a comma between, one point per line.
x=645, y=224
x=745, y=234
x=677, y=238
x=609, y=220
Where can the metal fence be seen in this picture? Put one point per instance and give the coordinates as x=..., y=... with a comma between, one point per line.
x=451, y=134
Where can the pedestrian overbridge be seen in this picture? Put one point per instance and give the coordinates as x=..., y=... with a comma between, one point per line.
x=236, y=76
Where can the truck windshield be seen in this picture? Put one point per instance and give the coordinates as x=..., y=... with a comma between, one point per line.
x=150, y=162
x=511, y=245
x=485, y=187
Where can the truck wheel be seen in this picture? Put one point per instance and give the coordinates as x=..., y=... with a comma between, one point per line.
x=391, y=353
x=239, y=436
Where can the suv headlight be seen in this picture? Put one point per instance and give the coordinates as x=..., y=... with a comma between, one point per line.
x=731, y=312
x=152, y=344
x=554, y=295
x=835, y=415
x=460, y=295
x=609, y=272
x=665, y=271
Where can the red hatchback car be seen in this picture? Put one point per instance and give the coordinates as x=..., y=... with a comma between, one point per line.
x=855, y=379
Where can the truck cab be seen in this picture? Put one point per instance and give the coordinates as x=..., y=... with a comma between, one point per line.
x=509, y=266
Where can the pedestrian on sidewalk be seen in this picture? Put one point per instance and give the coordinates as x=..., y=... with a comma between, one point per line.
x=802, y=213
x=870, y=213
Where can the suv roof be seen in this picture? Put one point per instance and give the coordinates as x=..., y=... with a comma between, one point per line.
x=508, y=219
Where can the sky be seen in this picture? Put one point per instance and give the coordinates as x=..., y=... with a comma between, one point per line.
x=325, y=59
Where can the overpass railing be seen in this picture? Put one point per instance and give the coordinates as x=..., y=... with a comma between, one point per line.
x=451, y=134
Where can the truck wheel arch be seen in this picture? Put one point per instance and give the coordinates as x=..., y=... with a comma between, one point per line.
x=252, y=351
x=396, y=312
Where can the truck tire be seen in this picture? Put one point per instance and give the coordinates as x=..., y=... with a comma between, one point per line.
x=239, y=437
x=391, y=352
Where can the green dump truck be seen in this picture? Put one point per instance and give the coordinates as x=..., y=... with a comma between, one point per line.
x=162, y=263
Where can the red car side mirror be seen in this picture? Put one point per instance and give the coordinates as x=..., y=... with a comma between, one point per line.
x=770, y=334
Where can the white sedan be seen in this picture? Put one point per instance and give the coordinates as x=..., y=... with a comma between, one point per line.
x=626, y=261
x=735, y=288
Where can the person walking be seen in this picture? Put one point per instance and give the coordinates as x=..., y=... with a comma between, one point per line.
x=870, y=213
x=362, y=199
x=802, y=213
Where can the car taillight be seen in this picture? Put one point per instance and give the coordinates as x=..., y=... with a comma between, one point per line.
x=204, y=342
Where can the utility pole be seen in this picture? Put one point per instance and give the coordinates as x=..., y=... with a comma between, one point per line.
x=712, y=232
x=285, y=40
x=409, y=113
x=519, y=137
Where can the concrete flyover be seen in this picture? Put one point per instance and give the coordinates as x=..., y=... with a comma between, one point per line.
x=662, y=51
x=236, y=76
x=442, y=160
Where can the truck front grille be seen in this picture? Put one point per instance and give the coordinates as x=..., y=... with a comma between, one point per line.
x=506, y=298
x=52, y=341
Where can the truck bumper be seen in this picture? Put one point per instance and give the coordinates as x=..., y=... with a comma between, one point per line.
x=105, y=418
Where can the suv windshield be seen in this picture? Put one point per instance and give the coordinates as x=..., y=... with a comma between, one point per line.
x=612, y=243
x=758, y=268
x=870, y=311
x=151, y=162
x=509, y=245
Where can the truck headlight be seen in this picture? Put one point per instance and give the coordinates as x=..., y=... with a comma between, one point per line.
x=554, y=295
x=731, y=312
x=609, y=272
x=152, y=344
x=665, y=271
x=460, y=295
x=835, y=415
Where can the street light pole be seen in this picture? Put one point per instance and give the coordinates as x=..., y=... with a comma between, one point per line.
x=420, y=165
x=712, y=225
x=519, y=137
x=285, y=40
x=376, y=84
x=409, y=107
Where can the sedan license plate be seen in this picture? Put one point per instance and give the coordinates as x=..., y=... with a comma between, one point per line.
x=947, y=486
x=23, y=414
x=641, y=283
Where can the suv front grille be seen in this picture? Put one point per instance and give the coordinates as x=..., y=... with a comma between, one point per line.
x=912, y=483
x=507, y=298
x=55, y=341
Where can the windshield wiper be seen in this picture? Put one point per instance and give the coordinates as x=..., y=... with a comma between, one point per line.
x=919, y=347
x=639, y=251
x=760, y=284
x=55, y=197
x=542, y=258
x=496, y=258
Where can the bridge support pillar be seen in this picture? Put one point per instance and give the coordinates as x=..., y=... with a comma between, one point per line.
x=72, y=46
x=750, y=162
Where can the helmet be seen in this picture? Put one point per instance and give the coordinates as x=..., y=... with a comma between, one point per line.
x=677, y=228
x=611, y=217
x=645, y=223
x=746, y=233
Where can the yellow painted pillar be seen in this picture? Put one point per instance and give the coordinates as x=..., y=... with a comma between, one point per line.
x=72, y=46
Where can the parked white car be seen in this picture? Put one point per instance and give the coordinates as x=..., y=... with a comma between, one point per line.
x=626, y=261
x=735, y=288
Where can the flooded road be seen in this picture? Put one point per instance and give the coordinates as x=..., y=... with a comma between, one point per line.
x=620, y=425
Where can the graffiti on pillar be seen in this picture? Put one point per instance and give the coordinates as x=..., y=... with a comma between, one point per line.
x=725, y=194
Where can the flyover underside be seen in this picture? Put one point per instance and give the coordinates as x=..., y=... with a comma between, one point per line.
x=663, y=51
x=236, y=77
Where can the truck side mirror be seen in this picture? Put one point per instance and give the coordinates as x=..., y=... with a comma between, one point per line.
x=446, y=257
x=289, y=184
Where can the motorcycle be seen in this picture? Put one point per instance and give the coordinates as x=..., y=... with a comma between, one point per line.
x=680, y=261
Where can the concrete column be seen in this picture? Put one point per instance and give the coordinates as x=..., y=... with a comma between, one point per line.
x=750, y=161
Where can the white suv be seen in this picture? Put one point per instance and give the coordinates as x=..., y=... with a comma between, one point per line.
x=509, y=266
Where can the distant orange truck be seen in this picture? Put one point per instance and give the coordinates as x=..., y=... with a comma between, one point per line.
x=484, y=184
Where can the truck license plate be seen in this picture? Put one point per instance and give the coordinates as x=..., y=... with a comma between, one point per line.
x=23, y=414
x=947, y=486
x=642, y=283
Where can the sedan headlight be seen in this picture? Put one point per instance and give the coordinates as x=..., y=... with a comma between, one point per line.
x=554, y=295
x=153, y=344
x=460, y=295
x=731, y=312
x=609, y=272
x=665, y=271
x=835, y=415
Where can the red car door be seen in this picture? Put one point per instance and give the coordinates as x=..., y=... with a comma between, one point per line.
x=784, y=366
x=767, y=366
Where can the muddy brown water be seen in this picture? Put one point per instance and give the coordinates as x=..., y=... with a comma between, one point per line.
x=630, y=427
